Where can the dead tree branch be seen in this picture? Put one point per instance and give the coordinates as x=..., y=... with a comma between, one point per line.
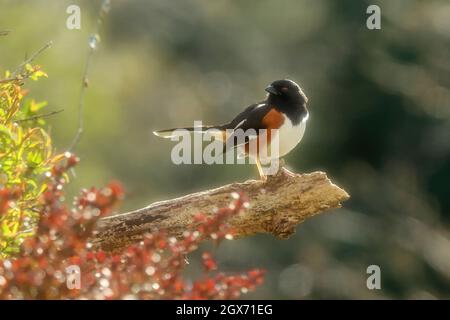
x=276, y=207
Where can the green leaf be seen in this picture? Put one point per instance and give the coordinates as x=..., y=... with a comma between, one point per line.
x=36, y=106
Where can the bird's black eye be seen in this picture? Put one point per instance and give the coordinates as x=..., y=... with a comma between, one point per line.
x=284, y=89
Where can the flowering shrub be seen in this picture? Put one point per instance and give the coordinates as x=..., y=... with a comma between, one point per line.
x=57, y=260
x=150, y=269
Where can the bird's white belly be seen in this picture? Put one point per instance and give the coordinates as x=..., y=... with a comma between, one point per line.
x=289, y=136
x=282, y=141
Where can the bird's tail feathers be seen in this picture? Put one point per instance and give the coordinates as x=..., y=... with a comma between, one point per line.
x=174, y=132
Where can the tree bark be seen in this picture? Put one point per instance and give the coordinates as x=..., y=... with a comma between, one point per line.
x=276, y=207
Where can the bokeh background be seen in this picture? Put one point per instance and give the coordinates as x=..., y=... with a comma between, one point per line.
x=379, y=124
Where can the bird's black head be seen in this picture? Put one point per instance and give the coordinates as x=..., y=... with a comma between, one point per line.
x=286, y=90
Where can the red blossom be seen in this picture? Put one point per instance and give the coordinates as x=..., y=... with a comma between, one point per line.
x=208, y=262
x=150, y=269
x=7, y=196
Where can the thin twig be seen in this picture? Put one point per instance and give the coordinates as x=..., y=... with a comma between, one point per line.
x=40, y=116
x=10, y=79
x=30, y=59
x=93, y=40
x=16, y=76
x=4, y=32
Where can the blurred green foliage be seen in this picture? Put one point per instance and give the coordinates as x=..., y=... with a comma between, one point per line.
x=379, y=102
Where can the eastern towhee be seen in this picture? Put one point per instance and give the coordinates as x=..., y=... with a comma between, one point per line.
x=284, y=110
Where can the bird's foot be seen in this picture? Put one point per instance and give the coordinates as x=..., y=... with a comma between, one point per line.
x=283, y=170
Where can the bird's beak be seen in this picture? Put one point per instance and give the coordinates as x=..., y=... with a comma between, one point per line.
x=271, y=89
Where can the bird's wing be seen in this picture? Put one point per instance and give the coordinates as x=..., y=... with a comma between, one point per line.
x=244, y=115
x=250, y=118
x=216, y=131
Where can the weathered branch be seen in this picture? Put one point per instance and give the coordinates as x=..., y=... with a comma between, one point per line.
x=276, y=207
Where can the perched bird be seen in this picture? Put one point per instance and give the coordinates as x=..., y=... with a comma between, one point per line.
x=282, y=113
